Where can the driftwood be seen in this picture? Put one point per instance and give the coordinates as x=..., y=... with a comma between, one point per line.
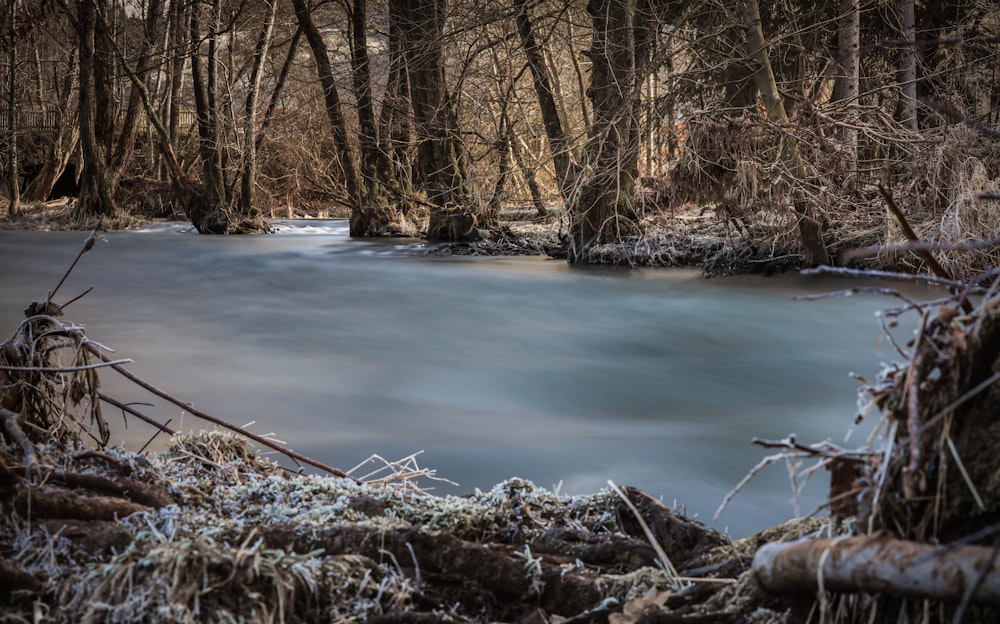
x=879, y=565
x=485, y=573
x=12, y=578
x=48, y=502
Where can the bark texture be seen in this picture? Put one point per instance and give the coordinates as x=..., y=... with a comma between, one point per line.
x=878, y=565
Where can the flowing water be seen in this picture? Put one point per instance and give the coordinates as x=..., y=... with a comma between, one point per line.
x=493, y=367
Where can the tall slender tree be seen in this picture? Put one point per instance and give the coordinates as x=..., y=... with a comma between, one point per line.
x=13, y=184
x=810, y=230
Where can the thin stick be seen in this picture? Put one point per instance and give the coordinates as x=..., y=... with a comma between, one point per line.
x=925, y=254
x=131, y=410
x=907, y=277
x=962, y=399
x=218, y=421
x=65, y=369
x=87, y=246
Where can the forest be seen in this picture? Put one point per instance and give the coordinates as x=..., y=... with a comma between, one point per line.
x=797, y=131
x=832, y=136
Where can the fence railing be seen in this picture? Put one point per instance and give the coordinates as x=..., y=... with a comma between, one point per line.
x=31, y=120
x=40, y=120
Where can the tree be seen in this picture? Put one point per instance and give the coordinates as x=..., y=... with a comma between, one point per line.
x=439, y=149
x=14, y=204
x=375, y=216
x=618, y=55
x=849, y=86
x=810, y=230
x=331, y=99
x=248, y=176
x=95, y=111
x=559, y=143
x=906, y=109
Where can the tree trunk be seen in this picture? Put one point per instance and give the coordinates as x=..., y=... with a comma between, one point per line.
x=394, y=120
x=208, y=212
x=65, y=142
x=125, y=147
x=906, y=109
x=376, y=217
x=95, y=189
x=248, y=181
x=440, y=152
x=849, y=86
x=178, y=42
x=810, y=230
x=559, y=143
x=331, y=98
x=878, y=565
x=13, y=184
x=605, y=196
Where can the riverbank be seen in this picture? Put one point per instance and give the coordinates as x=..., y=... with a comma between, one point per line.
x=692, y=238
x=210, y=530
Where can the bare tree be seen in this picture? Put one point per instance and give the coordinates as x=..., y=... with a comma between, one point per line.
x=248, y=177
x=809, y=226
x=331, y=99
x=906, y=110
x=559, y=142
x=849, y=86
x=13, y=184
x=440, y=151
x=95, y=109
x=604, y=201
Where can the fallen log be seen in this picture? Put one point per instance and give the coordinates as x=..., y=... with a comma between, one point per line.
x=879, y=565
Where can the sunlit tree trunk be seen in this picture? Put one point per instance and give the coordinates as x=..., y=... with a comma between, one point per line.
x=331, y=99
x=394, y=117
x=379, y=214
x=809, y=227
x=440, y=151
x=559, y=143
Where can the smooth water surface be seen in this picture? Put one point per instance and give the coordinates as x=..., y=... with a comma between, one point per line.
x=495, y=367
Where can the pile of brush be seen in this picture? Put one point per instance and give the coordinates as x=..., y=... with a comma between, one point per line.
x=923, y=501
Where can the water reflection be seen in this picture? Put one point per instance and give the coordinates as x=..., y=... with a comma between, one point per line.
x=494, y=367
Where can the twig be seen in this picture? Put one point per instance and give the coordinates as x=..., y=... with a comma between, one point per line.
x=916, y=246
x=925, y=254
x=87, y=246
x=218, y=421
x=913, y=421
x=130, y=410
x=973, y=587
x=906, y=277
x=65, y=369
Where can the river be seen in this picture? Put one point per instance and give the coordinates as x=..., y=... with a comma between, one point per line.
x=493, y=367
